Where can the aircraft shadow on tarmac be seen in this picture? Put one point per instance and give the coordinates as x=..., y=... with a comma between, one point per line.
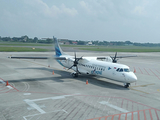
x=66, y=74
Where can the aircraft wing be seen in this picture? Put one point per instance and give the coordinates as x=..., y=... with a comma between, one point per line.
x=125, y=56
x=57, y=58
x=117, y=57
x=101, y=57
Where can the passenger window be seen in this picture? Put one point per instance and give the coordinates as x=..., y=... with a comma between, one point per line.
x=121, y=70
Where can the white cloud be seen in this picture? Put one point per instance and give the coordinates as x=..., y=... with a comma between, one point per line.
x=139, y=10
x=106, y=9
x=54, y=11
x=68, y=11
x=86, y=7
x=81, y=19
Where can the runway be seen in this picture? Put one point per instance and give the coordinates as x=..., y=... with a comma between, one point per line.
x=42, y=89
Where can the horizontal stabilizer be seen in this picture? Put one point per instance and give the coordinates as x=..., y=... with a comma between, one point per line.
x=60, y=58
x=28, y=57
x=57, y=58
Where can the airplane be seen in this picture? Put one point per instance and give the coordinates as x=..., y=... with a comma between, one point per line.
x=97, y=66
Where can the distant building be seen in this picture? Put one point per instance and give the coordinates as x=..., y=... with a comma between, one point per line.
x=89, y=43
x=67, y=43
x=74, y=43
x=64, y=43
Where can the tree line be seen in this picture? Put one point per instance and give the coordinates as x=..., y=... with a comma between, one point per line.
x=26, y=39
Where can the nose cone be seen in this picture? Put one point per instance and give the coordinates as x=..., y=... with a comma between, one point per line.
x=132, y=77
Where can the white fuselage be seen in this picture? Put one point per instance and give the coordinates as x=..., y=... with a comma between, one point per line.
x=92, y=66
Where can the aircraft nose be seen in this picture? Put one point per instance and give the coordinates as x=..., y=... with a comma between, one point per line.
x=133, y=77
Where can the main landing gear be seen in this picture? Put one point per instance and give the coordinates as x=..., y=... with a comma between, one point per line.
x=126, y=85
x=74, y=74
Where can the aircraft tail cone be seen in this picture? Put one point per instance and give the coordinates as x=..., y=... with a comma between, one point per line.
x=86, y=81
x=53, y=73
x=7, y=83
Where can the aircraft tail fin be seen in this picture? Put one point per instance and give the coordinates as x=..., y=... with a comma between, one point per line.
x=58, y=49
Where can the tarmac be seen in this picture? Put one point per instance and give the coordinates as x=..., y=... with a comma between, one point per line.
x=44, y=90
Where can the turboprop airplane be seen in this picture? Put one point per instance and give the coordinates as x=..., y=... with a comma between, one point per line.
x=98, y=66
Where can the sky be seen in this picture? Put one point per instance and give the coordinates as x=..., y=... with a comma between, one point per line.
x=109, y=20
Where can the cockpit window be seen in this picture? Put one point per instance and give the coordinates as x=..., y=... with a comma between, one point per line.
x=117, y=70
x=126, y=70
x=121, y=70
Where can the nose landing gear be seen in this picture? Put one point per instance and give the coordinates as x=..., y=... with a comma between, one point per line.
x=126, y=85
x=74, y=75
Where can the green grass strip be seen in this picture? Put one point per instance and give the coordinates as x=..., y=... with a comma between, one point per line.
x=124, y=49
x=24, y=44
x=21, y=49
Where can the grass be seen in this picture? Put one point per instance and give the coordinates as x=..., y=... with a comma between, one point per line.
x=82, y=47
x=21, y=49
x=122, y=49
x=75, y=46
x=24, y=44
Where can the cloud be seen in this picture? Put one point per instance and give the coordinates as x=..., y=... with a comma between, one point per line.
x=141, y=8
x=81, y=19
x=86, y=7
x=54, y=11
x=105, y=9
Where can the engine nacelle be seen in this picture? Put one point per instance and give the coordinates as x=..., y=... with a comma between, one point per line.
x=107, y=59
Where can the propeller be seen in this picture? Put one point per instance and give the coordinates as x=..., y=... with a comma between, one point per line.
x=114, y=60
x=75, y=63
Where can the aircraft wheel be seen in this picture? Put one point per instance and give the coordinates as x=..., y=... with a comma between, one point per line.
x=126, y=85
x=74, y=75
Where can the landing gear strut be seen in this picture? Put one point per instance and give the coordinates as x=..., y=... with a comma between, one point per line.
x=74, y=75
x=126, y=85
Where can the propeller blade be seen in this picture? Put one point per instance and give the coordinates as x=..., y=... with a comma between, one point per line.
x=77, y=70
x=75, y=55
x=70, y=67
x=75, y=63
x=114, y=58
